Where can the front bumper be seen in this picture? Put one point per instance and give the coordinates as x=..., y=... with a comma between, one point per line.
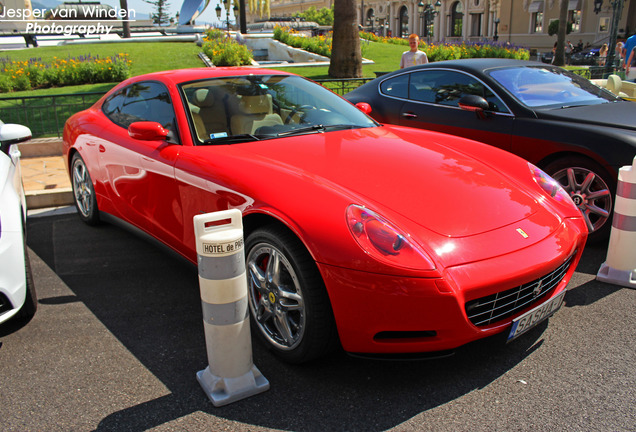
x=384, y=314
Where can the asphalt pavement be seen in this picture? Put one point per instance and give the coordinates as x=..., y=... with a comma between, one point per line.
x=118, y=339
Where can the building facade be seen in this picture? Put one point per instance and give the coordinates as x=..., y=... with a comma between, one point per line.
x=519, y=22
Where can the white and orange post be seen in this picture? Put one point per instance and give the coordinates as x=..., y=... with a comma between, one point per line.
x=620, y=266
x=231, y=374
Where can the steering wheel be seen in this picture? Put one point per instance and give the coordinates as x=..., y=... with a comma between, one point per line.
x=301, y=108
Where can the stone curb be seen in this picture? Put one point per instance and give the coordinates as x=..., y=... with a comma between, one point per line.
x=39, y=199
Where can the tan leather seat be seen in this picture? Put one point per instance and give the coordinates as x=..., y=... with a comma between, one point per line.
x=254, y=112
x=208, y=113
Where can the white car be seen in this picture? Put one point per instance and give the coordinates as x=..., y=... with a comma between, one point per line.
x=17, y=293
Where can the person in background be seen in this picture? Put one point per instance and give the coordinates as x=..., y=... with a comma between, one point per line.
x=630, y=62
x=602, y=55
x=568, y=52
x=413, y=56
x=619, y=58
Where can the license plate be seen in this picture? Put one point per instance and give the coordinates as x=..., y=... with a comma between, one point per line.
x=533, y=317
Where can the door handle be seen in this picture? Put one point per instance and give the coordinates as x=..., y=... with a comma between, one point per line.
x=409, y=115
x=101, y=148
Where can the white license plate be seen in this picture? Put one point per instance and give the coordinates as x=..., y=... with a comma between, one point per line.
x=533, y=317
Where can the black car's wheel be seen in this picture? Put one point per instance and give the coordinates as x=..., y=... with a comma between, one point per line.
x=83, y=191
x=591, y=189
x=290, y=308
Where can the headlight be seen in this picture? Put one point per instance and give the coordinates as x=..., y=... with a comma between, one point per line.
x=385, y=242
x=550, y=185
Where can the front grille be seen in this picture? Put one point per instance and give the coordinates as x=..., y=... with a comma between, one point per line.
x=490, y=309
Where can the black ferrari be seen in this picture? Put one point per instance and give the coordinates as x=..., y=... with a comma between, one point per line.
x=577, y=132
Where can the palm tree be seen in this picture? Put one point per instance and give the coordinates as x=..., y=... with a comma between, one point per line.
x=346, y=58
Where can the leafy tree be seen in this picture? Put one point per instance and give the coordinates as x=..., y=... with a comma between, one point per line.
x=323, y=17
x=160, y=16
x=553, y=28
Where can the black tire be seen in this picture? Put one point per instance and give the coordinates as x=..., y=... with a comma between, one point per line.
x=83, y=191
x=591, y=189
x=289, y=305
x=30, y=305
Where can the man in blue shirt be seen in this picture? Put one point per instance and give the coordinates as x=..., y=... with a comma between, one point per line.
x=630, y=58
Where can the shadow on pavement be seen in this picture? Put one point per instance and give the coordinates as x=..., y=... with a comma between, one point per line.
x=150, y=301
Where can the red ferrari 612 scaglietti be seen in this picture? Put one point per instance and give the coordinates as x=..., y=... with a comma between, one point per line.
x=383, y=239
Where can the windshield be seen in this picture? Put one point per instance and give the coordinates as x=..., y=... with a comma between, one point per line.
x=253, y=107
x=537, y=86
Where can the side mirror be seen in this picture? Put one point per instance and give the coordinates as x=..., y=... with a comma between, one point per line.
x=474, y=103
x=364, y=107
x=147, y=131
x=13, y=134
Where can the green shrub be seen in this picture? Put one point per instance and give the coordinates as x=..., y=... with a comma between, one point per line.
x=225, y=51
x=458, y=50
x=318, y=44
x=33, y=73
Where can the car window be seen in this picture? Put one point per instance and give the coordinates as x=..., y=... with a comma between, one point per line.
x=265, y=106
x=397, y=86
x=549, y=87
x=445, y=87
x=442, y=87
x=144, y=101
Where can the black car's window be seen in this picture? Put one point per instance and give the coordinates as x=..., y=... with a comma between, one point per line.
x=543, y=86
x=144, y=101
x=397, y=86
x=446, y=87
x=442, y=87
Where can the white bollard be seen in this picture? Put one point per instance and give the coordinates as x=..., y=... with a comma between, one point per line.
x=231, y=374
x=620, y=266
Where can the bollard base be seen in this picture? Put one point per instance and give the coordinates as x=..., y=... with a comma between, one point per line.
x=223, y=391
x=626, y=278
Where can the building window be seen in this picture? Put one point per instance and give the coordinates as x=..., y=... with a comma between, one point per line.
x=574, y=15
x=536, y=16
x=457, y=19
x=603, y=24
x=404, y=22
x=537, y=22
x=475, y=24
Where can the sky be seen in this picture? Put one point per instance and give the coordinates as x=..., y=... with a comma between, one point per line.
x=174, y=6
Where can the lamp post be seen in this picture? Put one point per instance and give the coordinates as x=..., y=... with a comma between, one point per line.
x=495, y=36
x=370, y=20
x=617, y=9
x=217, y=9
x=428, y=12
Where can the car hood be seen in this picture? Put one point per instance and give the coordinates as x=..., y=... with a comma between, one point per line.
x=614, y=114
x=426, y=177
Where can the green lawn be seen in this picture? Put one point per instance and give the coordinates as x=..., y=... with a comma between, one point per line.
x=157, y=56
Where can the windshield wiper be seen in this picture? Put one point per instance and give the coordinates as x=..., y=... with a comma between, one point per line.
x=343, y=126
x=233, y=139
x=308, y=129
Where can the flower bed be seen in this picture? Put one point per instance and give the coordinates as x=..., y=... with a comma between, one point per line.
x=222, y=50
x=435, y=51
x=33, y=73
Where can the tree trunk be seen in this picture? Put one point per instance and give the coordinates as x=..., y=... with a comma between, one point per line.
x=123, y=4
x=559, y=55
x=346, y=58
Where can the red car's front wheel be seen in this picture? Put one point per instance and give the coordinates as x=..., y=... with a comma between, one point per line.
x=288, y=302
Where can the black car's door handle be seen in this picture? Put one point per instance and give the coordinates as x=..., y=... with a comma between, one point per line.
x=409, y=115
